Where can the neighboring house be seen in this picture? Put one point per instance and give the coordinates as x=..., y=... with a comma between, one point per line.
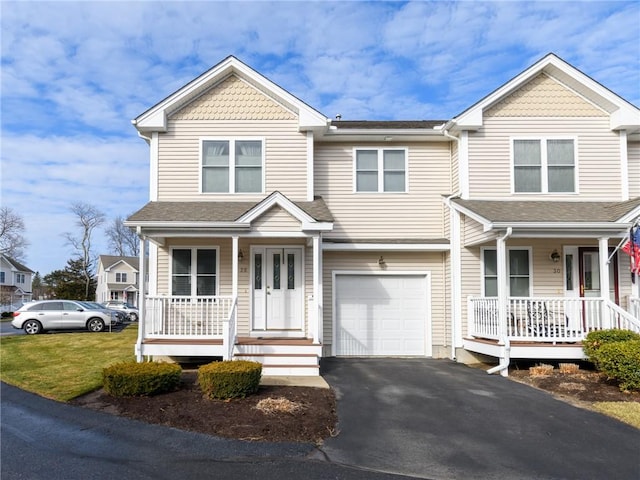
x=118, y=279
x=15, y=283
x=279, y=235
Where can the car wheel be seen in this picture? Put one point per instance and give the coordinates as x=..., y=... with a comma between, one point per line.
x=32, y=327
x=133, y=317
x=95, y=325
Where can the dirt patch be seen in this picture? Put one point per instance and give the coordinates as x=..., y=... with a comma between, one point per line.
x=582, y=386
x=313, y=418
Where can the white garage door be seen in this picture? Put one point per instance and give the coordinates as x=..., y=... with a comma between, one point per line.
x=383, y=315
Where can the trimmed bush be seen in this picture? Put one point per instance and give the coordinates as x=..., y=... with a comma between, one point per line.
x=621, y=361
x=131, y=379
x=595, y=340
x=7, y=314
x=229, y=379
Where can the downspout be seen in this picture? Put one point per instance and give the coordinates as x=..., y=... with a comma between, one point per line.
x=454, y=290
x=502, y=318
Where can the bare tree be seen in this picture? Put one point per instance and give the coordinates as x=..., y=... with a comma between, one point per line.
x=88, y=218
x=123, y=241
x=12, y=240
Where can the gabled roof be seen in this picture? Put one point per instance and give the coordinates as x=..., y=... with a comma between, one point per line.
x=110, y=261
x=224, y=214
x=503, y=213
x=19, y=267
x=623, y=115
x=155, y=118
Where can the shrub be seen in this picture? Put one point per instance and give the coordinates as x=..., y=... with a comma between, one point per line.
x=129, y=379
x=595, y=340
x=229, y=379
x=6, y=314
x=621, y=361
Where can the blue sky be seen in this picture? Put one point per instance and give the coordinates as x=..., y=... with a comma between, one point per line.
x=74, y=74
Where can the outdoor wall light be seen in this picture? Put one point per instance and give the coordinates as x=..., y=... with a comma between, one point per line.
x=554, y=256
x=240, y=255
x=381, y=261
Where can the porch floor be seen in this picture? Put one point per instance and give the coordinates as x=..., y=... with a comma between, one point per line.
x=239, y=341
x=526, y=350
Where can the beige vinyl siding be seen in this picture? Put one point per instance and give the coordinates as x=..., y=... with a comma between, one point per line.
x=455, y=173
x=395, y=262
x=416, y=214
x=285, y=153
x=633, y=158
x=276, y=219
x=225, y=287
x=597, y=155
x=473, y=232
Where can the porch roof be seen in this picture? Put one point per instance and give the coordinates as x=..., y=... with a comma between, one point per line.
x=215, y=211
x=548, y=212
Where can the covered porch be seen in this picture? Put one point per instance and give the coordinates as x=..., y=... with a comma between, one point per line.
x=243, y=288
x=550, y=273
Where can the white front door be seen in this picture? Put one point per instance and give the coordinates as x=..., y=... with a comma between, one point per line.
x=278, y=289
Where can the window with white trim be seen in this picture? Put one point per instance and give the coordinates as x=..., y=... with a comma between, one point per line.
x=544, y=165
x=20, y=278
x=2, y=277
x=518, y=271
x=194, y=271
x=380, y=170
x=232, y=166
x=121, y=277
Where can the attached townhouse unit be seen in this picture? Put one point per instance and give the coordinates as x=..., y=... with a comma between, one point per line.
x=118, y=279
x=280, y=235
x=15, y=283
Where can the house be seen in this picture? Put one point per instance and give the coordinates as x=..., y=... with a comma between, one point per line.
x=118, y=279
x=15, y=283
x=279, y=235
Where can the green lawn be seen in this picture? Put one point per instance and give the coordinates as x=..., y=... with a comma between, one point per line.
x=62, y=366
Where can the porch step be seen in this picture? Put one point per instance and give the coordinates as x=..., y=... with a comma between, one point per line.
x=281, y=357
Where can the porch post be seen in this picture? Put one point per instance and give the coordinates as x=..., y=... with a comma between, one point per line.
x=142, y=298
x=315, y=317
x=234, y=266
x=603, y=245
x=503, y=300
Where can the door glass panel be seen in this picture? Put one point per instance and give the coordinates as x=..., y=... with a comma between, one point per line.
x=591, y=269
x=568, y=267
x=291, y=279
x=276, y=271
x=257, y=271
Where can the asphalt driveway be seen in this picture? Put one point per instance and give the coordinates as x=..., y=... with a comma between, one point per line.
x=438, y=419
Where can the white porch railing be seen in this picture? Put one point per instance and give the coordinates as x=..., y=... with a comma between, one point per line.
x=547, y=319
x=634, y=306
x=183, y=317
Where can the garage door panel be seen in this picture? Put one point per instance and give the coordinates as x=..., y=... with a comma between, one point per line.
x=382, y=315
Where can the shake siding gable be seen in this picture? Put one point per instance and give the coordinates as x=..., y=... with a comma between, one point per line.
x=232, y=110
x=416, y=214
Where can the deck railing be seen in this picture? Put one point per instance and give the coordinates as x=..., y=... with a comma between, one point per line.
x=634, y=306
x=175, y=317
x=546, y=319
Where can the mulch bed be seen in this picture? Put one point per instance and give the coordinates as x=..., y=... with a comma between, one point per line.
x=583, y=386
x=187, y=409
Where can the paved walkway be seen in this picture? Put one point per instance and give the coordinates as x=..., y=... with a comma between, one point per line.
x=440, y=420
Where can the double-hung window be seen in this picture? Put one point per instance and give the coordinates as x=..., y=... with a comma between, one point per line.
x=2, y=277
x=121, y=277
x=232, y=166
x=544, y=165
x=194, y=271
x=518, y=271
x=20, y=278
x=380, y=170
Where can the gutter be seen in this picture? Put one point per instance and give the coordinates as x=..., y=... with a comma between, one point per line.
x=504, y=338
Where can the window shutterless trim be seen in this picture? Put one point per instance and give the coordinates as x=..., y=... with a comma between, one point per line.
x=193, y=272
x=380, y=169
x=232, y=163
x=544, y=165
x=509, y=276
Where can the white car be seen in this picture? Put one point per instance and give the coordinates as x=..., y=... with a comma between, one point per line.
x=131, y=311
x=36, y=317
